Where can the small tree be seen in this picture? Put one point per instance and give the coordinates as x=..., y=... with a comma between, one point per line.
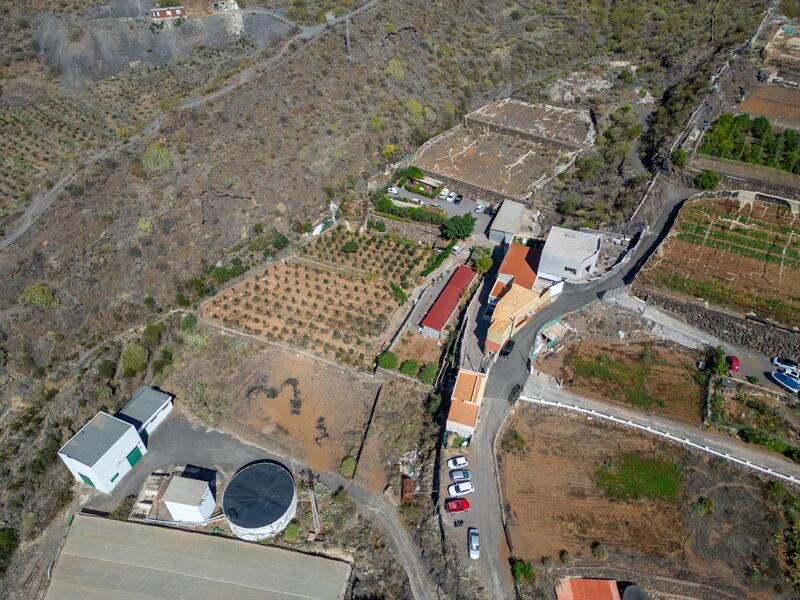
x=523, y=571
x=679, y=158
x=428, y=372
x=706, y=180
x=188, y=323
x=409, y=367
x=458, y=227
x=350, y=247
x=388, y=360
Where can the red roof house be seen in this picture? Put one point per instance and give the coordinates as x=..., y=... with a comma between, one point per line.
x=587, y=589
x=434, y=322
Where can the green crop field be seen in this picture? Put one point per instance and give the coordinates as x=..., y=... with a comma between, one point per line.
x=633, y=476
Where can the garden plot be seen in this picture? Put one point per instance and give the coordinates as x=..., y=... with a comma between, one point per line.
x=739, y=255
x=590, y=494
x=659, y=377
x=774, y=102
x=335, y=312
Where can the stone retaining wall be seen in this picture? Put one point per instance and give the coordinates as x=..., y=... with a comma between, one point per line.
x=427, y=234
x=765, y=339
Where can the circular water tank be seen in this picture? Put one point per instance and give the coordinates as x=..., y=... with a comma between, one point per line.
x=260, y=500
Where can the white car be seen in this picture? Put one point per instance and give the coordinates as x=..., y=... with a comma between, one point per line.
x=394, y=191
x=456, y=250
x=479, y=208
x=787, y=365
x=474, y=543
x=443, y=194
x=458, y=490
x=417, y=201
x=457, y=462
x=451, y=196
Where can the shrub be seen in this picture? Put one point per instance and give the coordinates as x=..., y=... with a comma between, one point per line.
x=434, y=402
x=702, y=506
x=388, y=360
x=350, y=247
x=106, y=369
x=375, y=124
x=409, y=367
x=151, y=336
x=124, y=508
x=679, y=158
x=394, y=69
x=428, y=372
x=145, y=225
x=157, y=160
x=8, y=543
x=348, y=467
x=627, y=76
x=523, y=571
x=399, y=295
x=188, y=323
x=752, y=379
x=706, y=180
x=134, y=359
x=39, y=295
x=292, y=533
x=513, y=441
x=459, y=227
x=391, y=151
x=258, y=228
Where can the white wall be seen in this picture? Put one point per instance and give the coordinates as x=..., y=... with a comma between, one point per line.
x=158, y=417
x=192, y=514
x=460, y=429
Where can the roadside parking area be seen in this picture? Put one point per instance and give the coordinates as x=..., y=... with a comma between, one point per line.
x=466, y=206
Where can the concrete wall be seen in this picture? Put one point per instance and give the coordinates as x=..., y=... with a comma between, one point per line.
x=459, y=429
x=158, y=417
x=472, y=192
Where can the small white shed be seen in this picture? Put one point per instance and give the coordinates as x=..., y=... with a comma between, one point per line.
x=102, y=452
x=189, y=500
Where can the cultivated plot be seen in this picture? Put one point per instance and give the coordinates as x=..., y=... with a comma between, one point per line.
x=739, y=255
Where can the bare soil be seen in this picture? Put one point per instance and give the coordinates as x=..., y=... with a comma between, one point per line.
x=556, y=505
x=774, y=102
x=276, y=398
x=413, y=346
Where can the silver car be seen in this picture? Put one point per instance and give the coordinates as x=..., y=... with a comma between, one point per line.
x=457, y=490
x=460, y=475
x=474, y=543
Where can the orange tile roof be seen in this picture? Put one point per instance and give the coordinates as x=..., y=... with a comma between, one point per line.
x=469, y=386
x=464, y=413
x=587, y=589
x=498, y=288
x=520, y=262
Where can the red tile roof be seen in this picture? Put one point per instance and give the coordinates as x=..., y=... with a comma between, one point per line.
x=448, y=299
x=520, y=262
x=587, y=589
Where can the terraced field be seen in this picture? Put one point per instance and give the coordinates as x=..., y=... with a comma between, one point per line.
x=741, y=255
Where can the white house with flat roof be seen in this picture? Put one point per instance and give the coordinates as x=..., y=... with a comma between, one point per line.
x=189, y=500
x=569, y=255
x=148, y=408
x=103, y=452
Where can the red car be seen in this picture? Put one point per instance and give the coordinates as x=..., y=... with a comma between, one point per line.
x=456, y=505
x=733, y=363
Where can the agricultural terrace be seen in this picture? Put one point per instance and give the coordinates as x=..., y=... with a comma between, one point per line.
x=778, y=103
x=739, y=255
x=658, y=377
x=395, y=260
x=338, y=309
x=752, y=140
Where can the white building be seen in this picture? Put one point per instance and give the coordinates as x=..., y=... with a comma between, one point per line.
x=189, y=500
x=507, y=222
x=146, y=411
x=569, y=255
x=103, y=452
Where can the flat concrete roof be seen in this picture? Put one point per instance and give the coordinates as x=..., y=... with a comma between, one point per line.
x=104, y=559
x=509, y=218
x=182, y=490
x=95, y=438
x=571, y=245
x=145, y=403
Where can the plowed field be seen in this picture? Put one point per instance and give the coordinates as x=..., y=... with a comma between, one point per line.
x=739, y=255
x=774, y=102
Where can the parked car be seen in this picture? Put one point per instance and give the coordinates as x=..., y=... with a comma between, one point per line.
x=785, y=364
x=451, y=196
x=786, y=381
x=479, y=208
x=514, y=395
x=458, y=523
x=417, y=201
x=733, y=364
x=443, y=194
x=458, y=199
x=394, y=191
x=457, y=462
x=456, y=250
x=506, y=349
x=456, y=505
x=459, y=475
x=474, y=543
x=457, y=490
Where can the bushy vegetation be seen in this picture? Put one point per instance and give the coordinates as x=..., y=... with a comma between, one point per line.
x=134, y=359
x=481, y=259
x=38, y=295
x=459, y=227
x=292, y=533
x=512, y=441
x=436, y=260
x=753, y=140
x=633, y=476
x=8, y=543
x=428, y=372
x=706, y=180
x=429, y=214
x=523, y=571
x=679, y=158
x=348, y=467
x=388, y=360
x=188, y=323
x=409, y=367
x=157, y=160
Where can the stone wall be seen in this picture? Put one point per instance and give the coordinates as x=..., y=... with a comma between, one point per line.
x=765, y=339
x=418, y=232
